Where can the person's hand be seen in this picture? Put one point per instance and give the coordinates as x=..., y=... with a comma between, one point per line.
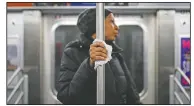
x=97, y=52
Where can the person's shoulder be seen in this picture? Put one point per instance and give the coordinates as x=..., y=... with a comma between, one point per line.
x=72, y=47
x=73, y=44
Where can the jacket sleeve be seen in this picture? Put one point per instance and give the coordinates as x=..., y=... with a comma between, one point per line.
x=73, y=77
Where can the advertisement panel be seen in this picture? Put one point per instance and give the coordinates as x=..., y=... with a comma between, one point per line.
x=185, y=59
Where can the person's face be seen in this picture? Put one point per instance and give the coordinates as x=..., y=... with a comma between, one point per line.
x=111, y=29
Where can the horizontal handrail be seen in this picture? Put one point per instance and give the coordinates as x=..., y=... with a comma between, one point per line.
x=182, y=89
x=183, y=74
x=15, y=89
x=19, y=98
x=174, y=80
x=24, y=93
x=178, y=97
x=13, y=76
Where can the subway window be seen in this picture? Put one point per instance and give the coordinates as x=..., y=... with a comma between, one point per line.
x=12, y=57
x=130, y=40
x=63, y=35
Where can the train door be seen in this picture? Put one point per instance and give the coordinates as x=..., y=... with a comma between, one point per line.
x=136, y=38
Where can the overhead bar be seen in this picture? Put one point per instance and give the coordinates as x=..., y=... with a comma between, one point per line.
x=74, y=10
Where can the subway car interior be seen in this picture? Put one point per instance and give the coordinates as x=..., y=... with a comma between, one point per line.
x=155, y=38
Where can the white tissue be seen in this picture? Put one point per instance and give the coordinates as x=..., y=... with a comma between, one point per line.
x=109, y=52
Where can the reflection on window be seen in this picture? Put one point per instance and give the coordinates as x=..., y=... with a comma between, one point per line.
x=63, y=35
x=12, y=59
x=12, y=51
x=131, y=40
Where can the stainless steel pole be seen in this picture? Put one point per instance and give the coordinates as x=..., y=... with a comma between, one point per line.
x=25, y=89
x=101, y=69
x=171, y=93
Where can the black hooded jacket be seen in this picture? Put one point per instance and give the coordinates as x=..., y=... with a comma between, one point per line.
x=77, y=79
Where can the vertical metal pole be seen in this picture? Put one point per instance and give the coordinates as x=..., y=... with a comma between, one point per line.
x=100, y=70
x=25, y=85
x=171, y=93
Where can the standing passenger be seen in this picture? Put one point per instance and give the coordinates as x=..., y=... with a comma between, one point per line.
x=77, y=79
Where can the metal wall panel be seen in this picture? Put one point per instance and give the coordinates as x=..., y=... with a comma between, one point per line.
x=182, y=29
x=165, y=21
x=32, y=31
